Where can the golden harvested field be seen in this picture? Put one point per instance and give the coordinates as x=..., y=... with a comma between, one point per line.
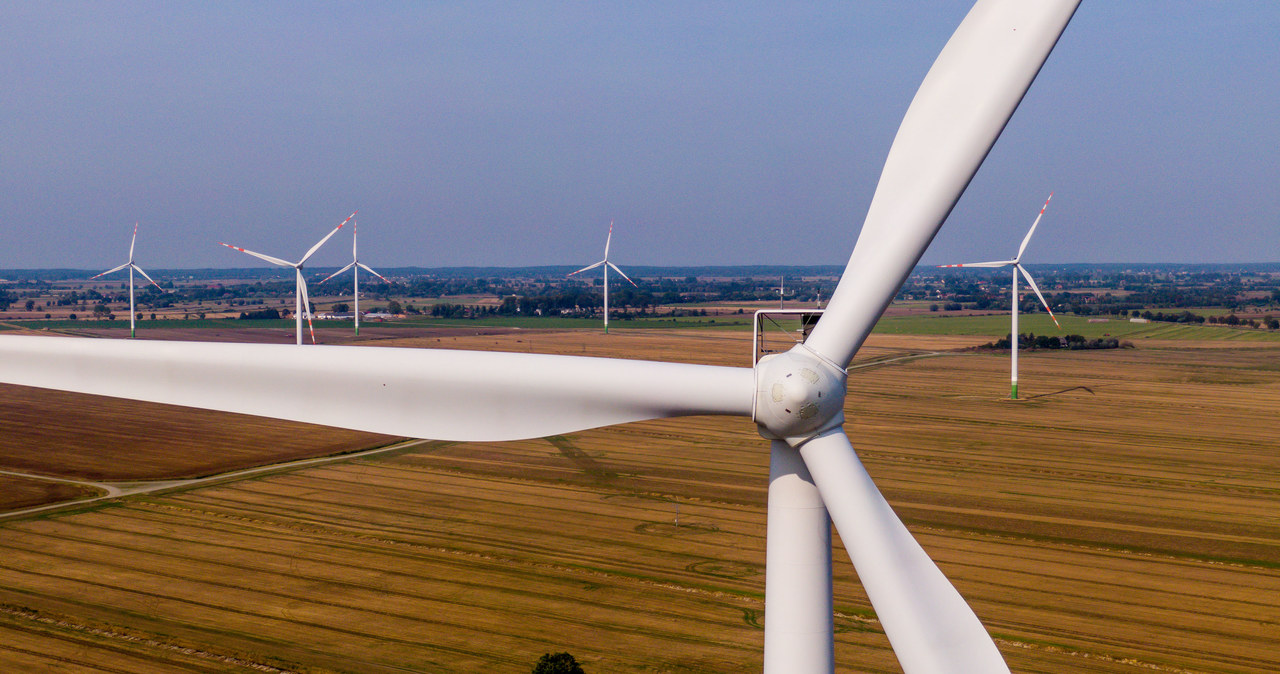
x=20, y=492
x=107, y=439
x=1123, y=518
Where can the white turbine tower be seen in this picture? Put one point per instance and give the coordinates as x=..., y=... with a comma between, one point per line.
x=133, y=326
x=1016, y=263
x=606, y=263
x=782, y=292
x=795, y=398
x=302, y=302
x=355, y=265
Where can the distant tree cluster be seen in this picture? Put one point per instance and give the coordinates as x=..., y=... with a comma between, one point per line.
x=557, y=663
x=261, y=314
x=1268, y=322
x=1031, y=341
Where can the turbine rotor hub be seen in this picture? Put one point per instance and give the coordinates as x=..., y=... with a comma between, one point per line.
x=798, y=394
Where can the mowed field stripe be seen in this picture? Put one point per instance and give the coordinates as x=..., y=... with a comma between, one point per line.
x=177, y=594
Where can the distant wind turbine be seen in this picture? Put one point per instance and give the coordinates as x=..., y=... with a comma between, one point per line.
x=133, y=326
x=1016, y=263
x=782, y=292
x=606, y=264
x=356, y=265
x=301, y=301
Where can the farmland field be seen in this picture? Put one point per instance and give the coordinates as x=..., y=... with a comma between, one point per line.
x=1041, y=324
x=1120, y=518
x=92, y=438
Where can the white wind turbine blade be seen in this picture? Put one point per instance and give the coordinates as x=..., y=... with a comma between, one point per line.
x=956, y=116
x=306, y=303
x=615, y=268
x=1031, y=282
x=321, y=242
x=586, y=268
x=111, y=271
x=928, y=623
x=607, y=239
x=999, y=263
x=144, y=275
x=260, y=256
x=1027, y=238
x=349, y=265
x=960, y=109
x=371, y=271
x=422, y=393
x=133, y=240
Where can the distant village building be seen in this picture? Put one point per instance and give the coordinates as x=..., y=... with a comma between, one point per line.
x=369, y=315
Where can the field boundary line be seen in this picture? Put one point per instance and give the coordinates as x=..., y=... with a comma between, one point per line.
x=125, y=488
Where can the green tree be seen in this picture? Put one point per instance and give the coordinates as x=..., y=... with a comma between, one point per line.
x=393, y=307
x=557, y=663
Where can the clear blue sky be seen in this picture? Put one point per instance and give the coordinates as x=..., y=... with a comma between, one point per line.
x=511, y=133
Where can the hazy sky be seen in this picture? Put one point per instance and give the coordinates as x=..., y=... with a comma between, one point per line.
x=511, y=133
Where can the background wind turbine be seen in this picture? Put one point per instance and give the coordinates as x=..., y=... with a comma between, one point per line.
x=782, y=292
x=133, y=326
x=606, y=263
x=795, y=398
x=355, y=265
x=1016, y=263
x=302, y=302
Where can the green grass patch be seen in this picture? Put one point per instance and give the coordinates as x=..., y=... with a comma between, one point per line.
x=727, y=321
x=123, y=324
x=996, y=326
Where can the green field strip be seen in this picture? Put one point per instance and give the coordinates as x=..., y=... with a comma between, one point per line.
x=998, y=325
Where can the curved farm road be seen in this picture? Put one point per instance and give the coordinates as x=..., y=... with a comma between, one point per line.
x=120, y=489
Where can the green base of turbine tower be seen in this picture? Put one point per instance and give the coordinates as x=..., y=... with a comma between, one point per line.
x=1013, y=391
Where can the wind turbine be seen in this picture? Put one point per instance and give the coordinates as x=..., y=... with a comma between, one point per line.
x=1016, y=263
x=606, y=264
x=302, y=302
x=133, y=326
x=795, y=398
x=782, y=292
x=355, y=265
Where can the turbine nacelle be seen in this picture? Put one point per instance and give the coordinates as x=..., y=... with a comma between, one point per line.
x=798, y=395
